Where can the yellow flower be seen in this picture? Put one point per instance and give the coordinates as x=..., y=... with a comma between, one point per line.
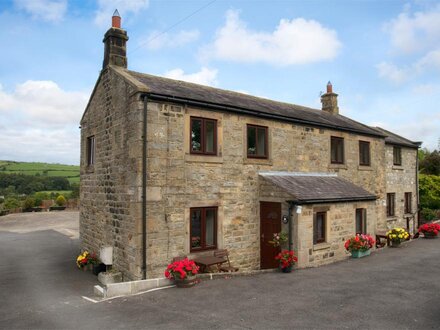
x=400, y=236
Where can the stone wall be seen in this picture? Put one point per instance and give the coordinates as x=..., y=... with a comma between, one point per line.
x=399, y=180
x=109, y=189
x=178, y=180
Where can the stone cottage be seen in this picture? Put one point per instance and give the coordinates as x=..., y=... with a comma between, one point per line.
x=170, y=168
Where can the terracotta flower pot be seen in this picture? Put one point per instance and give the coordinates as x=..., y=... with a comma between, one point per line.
x=429, y=234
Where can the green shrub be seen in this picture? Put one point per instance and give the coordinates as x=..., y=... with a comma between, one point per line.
x=11, y=203
x=28, y=203
x=60, y=201
x=428, y=214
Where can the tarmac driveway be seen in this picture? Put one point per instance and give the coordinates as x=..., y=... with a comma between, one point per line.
x=41, y=288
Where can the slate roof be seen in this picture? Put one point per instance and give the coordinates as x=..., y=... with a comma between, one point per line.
x=228, y=100
x=313, y=188
x=392, y=138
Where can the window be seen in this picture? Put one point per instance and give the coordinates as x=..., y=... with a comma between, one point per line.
x=390, y=204
x=319, y=227
x=256, y=141
x=408, y=202
x=337, y=150
x=397, y=156
x=203, y=228
x=90, y=150
x=364, y=153
x=203, y=137
x=361, y=221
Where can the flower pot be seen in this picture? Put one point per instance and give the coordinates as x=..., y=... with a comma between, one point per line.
x=286, y=269
x=360, y=254
x=395, y=244
x=187, y=282
x=429, y=234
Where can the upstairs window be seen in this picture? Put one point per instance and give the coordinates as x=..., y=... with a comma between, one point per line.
x=337, y=150
x=361, y=221
x=364, y=153
x=319, y=225
x=203, y=137
x=257, y=141
x=408, y=202
x=90, y=150
x=397, y=156
x=391, y=197
x=203, y=228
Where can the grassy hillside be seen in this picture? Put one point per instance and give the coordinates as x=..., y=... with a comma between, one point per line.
x=71, y=172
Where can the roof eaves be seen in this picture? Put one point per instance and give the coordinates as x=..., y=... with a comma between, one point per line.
x=332, y=200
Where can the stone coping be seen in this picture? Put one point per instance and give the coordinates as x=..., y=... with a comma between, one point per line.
x=112, y=290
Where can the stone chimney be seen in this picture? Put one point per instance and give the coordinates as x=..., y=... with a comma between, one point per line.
x=329, y=100
x=115, y=44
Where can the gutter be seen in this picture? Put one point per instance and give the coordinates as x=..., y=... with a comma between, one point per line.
x=214, y=106
x=144, y=188
x=291, y=206
x=332, y=200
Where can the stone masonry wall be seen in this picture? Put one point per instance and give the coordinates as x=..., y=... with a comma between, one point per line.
x=178, y=180
x=399, y=180
x=110, y=201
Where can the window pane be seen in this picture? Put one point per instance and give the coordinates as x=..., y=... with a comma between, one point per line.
x=196, y=135
x=210, y=134
x=251, y=143
x=210, y=227
x=337, y=150
x=261, y=140
x=196, y=228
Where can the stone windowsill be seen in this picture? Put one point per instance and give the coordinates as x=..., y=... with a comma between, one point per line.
x=203, y=159
x=393, y=218
x=321, y=246
x=364, y=168
x=338, y=166
x=397, y=168
x=257, y=161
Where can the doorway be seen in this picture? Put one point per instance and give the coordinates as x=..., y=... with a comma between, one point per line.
x=270, y=223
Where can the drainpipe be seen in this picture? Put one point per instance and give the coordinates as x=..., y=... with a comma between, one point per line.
x=291, y=206
x=417, y=188
x=144, y=189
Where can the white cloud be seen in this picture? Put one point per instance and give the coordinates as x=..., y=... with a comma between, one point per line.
x=392, y=73
x=295, y=41
x=157, y=40
x=415, y=32
x=125, y=7
x=47, y=10
x=204, y=77
x=41, y=122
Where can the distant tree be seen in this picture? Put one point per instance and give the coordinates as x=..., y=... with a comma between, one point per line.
x=28, y=203
x=422, y=153
x=11, y=203
x=431, y=163
x=429, y=188
x=75, y=190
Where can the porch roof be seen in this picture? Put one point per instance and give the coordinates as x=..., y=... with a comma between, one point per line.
x=314, y=188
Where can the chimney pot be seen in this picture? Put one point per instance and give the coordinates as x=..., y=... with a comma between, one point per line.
x=329, y=87
x=116, y=20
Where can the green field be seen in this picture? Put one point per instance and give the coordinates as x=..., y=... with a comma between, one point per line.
x=71, y=172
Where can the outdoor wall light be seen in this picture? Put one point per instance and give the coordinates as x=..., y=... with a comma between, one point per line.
x=299, y=209
x=285, y=219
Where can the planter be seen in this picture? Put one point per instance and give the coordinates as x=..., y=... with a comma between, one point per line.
x=187, y=282
x=99, y=268
x=109, y=277
x=360, y=254
x=429, y=234
x=286, y=269
x=394, y=244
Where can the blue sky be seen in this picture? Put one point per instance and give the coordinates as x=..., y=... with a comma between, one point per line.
x=382, y=57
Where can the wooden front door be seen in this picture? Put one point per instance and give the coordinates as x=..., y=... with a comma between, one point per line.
x=270, y=223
